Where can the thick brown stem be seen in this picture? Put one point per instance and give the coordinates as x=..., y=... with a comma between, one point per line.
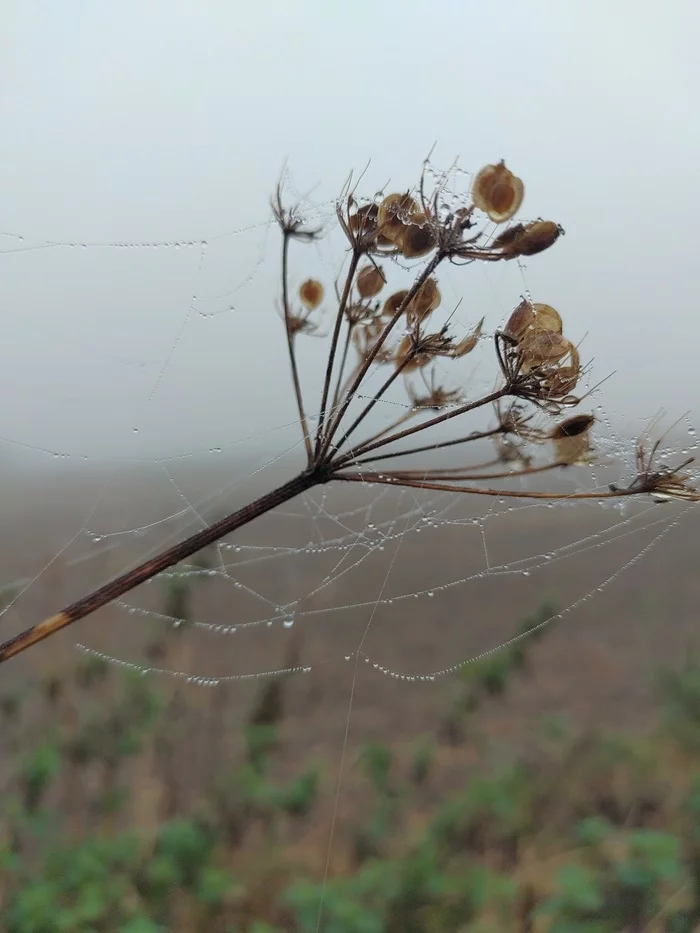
x=145, y=571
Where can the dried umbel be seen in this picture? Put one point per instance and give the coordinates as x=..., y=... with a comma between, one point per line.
x=538, y=371
x=498, y=192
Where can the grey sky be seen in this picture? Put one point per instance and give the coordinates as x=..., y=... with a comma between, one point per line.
x=170, y=121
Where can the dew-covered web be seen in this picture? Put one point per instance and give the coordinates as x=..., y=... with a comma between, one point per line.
x=164, y=369
x=200, y=372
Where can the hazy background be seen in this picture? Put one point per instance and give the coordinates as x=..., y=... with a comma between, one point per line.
x=170, y=122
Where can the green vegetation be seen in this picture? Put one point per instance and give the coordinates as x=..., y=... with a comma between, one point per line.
x=592, y=832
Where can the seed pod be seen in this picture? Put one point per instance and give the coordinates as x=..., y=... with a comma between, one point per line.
x=424, y=302
x=520, y=320
x=529, y=317
x=370, y=281
x=393, y=303
x=537, y=237
x=508, y=236
x=497, y=192
x=546, y=318
x=416, y=239
x=572, y=439
x=469, y=342
x=542, y=346
x=311, y=294
x=395, y=211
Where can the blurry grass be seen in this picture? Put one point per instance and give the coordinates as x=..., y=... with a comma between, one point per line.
x=583, y=832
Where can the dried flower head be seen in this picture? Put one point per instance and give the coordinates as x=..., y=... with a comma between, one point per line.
x=416, y=350
x=370, y=281
x=497, y=192
x=572, y=440
x=311, y=294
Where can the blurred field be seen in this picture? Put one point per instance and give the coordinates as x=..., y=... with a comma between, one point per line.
x=592, y=664
x=233, y=789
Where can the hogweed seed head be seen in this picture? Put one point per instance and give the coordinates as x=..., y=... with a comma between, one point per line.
x=540, y=368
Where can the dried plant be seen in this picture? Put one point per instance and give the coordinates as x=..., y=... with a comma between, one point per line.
x=539, y=369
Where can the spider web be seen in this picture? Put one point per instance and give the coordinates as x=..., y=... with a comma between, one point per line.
x=170, y=345
x=166, y=372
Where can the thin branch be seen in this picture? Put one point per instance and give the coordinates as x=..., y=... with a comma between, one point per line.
x=439, y=419
x=382, y=478
x=474, y=436
x=343, y=363
x=290, y=344
x=369, y=359
x=375, y=398
x=354, y=260
x=452, y=474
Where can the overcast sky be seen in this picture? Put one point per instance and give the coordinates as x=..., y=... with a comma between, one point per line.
x=154, y=122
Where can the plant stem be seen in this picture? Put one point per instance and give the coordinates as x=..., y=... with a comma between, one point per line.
x=145, y=571
x=439, y=419
x=369, y=359
x=474, y=436
x=386, y=479
x=333, y=349
x=375, y=398
x=290, y=346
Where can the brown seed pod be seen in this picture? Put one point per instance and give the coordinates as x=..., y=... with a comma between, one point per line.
x=469, y=342
x=370, y=281
x=508, y=236
x=416, y=239
x=543, y=346
x=424, y=302
x=538, y=236
x=520, y=320
x=529, y=316
x=311, y=294
x=393, y=303
x=497, y=192
x=526, y=240
x=395, y=211
x=572, y=443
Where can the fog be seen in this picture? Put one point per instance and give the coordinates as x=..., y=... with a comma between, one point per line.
x=170, y=122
